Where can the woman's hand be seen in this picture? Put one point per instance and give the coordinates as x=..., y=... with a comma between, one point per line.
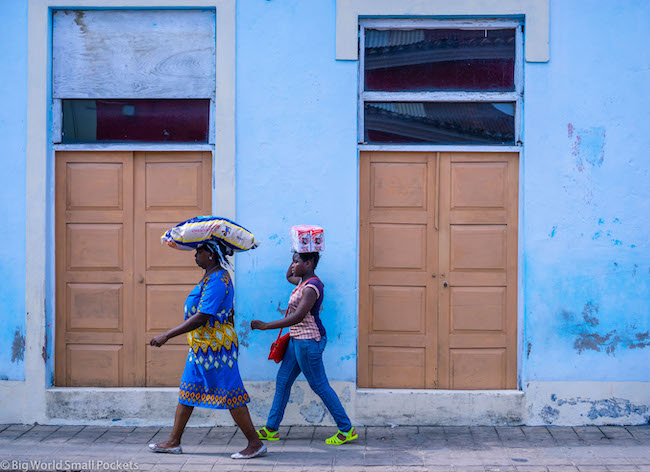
x=258, y=324
x=159, y=340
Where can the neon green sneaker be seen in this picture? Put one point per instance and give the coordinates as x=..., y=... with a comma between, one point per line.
x=267, y=435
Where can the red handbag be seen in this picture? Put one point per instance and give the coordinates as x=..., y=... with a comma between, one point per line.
x=279, y=347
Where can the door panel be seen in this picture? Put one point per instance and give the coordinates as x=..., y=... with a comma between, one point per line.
x=99, y=365
x=117, y=286
x=478, y=257
x=478, y=369
x=94, y=227
x=397, y=367
x=94, y=306
x=438, y=270
x=95, y=246
x=177, y=186
x=397, y=254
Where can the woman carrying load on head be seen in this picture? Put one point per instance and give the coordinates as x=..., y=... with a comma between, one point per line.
x=211, y=377
x=305, y=350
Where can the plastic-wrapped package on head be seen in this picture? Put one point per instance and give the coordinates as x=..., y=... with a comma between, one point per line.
x=306, y=238
x=194, y=232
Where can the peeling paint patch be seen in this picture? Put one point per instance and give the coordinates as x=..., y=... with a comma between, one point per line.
x=607, y=408
x=549, y=414
x=313, y=412
x=552, y=233
x=587, y=338
x=244, y=332
x=588, y=313
x=18, y=347
x=642, y=340
x=587, y=146
x=529, y=347
x=79, y=20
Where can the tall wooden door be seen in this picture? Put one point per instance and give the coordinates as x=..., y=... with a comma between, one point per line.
x=116, y=285
x=438, y=262
x=398, y=256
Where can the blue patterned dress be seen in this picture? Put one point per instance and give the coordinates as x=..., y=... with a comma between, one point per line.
x=211, y=377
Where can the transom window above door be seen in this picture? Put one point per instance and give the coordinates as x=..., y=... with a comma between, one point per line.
x=111, y=121
x=441, y=82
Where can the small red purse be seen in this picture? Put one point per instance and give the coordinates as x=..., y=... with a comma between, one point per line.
x=279, y=347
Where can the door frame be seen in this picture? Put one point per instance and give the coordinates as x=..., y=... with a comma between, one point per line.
x=40, y=182
x=520, y=303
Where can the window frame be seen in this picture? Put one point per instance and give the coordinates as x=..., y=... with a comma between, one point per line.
x=515, y=96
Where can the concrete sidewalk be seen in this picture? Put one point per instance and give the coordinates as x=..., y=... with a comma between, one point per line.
x=409, y=448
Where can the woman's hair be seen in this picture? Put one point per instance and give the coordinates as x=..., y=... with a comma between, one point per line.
x=219, y=250
x=310, y=256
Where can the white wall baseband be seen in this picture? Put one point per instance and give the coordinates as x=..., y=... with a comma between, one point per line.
x=542, y=404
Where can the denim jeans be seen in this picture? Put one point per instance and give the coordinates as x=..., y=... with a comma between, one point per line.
x=306, y=356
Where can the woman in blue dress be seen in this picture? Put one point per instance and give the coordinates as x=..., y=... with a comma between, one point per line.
x=211, y=377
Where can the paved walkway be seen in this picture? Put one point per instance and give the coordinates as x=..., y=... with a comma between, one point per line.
x=431, y=448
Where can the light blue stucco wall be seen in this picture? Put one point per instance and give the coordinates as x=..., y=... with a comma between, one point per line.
x=296, y=164
x=13, y=117
x=585, y=244
x=586, y=205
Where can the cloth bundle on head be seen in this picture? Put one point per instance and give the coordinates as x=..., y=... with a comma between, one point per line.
x=201, y=230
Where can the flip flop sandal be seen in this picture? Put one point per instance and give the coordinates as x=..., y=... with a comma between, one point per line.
x=349, y=436
x=170, y=450
x=268, y=435
x=260, y=452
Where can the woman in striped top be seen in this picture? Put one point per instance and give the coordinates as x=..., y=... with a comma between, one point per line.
x=305, y=350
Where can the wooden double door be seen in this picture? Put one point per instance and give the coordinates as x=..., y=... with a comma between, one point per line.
x=116, y=285
x=438, y=270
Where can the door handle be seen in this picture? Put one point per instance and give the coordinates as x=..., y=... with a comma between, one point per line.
x=445, y=284
x=141, y=279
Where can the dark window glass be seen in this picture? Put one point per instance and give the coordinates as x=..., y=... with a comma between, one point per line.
x=90, y=121
x=439, y=123
x=440, y=59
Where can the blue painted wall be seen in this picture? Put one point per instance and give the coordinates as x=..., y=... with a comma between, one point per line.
x=296, y=164
x=585, y=186
x=586, y=230
x=13, y=116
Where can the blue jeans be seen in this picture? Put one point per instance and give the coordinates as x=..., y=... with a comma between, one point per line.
x=306, y=356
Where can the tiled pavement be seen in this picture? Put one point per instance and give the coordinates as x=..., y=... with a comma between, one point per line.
x=406, y=448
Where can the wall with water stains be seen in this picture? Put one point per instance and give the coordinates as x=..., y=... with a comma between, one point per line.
x=585, y=331
x=587, y=260
x=586, y=228
x=13, y=92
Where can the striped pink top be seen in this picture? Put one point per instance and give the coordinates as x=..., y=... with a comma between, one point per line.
x=308, y=328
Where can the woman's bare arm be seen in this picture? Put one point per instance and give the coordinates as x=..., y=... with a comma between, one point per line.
x=290, y=277
x=307, y=301
x=186, y=326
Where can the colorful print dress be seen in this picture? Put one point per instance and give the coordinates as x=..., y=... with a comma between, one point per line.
x=211, y=377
